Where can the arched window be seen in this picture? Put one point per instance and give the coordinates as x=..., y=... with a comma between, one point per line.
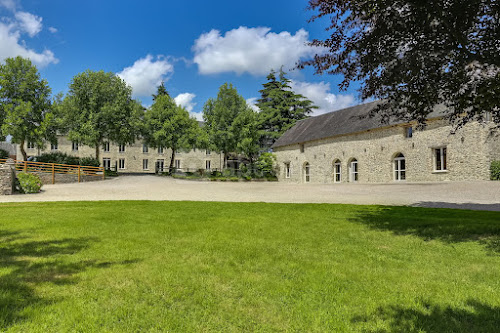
x=337, y=171
x=307, y=172
x=353, y=170
x=399, y=167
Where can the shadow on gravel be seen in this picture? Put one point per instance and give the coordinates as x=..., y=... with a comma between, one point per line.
x=26, y=264
x=446, y=225
x=467, y=205
x=474, y=317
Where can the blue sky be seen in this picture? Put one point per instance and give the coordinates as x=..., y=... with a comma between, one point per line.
x=194, y=46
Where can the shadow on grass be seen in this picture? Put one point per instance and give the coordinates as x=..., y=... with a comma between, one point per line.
x=26, y=264
x=474, y=317
x=446, y=225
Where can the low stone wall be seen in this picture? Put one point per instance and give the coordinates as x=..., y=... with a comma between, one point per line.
x=7, y=178
x=65, y=178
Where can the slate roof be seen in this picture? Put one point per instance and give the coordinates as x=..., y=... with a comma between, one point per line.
x=346, y=121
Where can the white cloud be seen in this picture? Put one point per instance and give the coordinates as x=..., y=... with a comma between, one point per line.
x=251, y=50
x=197, y=115
x=146, y=74
x=186, y=100
x=53, y=30
x=319, y=93
x=9, y=4
x=251, y=103
x=29, y=23
x=11, y=45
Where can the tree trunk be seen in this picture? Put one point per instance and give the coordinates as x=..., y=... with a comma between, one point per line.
x=25, y=156
x=97, y=151
x=172, y=159
x=224, y=166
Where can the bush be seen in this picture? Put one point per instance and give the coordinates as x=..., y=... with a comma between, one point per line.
x=90, y=161
x=58, y=158
x=234, y=179
x=266, y=164
x=495, y=170
x=29, y=183
x=4, y=154
x=110, y=173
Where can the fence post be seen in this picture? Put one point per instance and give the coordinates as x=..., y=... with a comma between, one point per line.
x=78, y=173
x=103, y=174
x=53, y=174
x=25, y=166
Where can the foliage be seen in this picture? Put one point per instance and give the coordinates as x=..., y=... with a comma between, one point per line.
x=110, y=173
x=495, y=170
x=29, y=183
x=252, y=267
x=4, y=154
x=225, y=117
x=168, y=125
x=25, y=106
x=415, y=55
x=280, y=108
x=160, y=91
x=90, y=161
x=267, y=164
x=99, y=108
x=63, y=158
x=247, y=134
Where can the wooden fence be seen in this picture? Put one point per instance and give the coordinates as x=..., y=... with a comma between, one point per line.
x=54, y=168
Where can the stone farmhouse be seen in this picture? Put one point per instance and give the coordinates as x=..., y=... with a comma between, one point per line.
x=134, y=158
x=348, y=146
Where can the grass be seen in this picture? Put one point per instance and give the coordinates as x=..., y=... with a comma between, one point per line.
x=194, y=266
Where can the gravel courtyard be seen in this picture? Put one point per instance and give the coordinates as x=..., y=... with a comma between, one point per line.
x=464, y=195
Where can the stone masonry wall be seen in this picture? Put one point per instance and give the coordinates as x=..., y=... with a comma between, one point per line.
x=7, y=178
x=468, y=155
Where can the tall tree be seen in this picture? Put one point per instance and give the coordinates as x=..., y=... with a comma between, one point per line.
x=219, y=115
x=246, y=128
x=415, y=54
x=280, y=108
x=168, y=125
x=160, y=91
x=24, y=103
x=99, y=108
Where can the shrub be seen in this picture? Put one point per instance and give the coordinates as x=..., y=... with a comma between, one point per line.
x=495, y=170
x=110, y=173
x=58, y=158
x=29, y=183
x=234, y=179
x=90, y=161
x=266, y=164
x=4, y=154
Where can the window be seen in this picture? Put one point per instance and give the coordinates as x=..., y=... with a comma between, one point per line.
x=74, y=146
x=106, y=163
x=54, y=145
x=177, y=164
x=209, y=152
x=31, y=145
x=145, y=164
x=302, y=148
x=353, y=171
x=440, y=159
x=160, y=150
x=121, y=148
x=145, y=148
x=288, y=172
x=105, y=147
x=121, y=163
x=399, y=167
x=208, y=165
x=408, y=132
x=337, y=172
x=160, y=164
x=307, y=172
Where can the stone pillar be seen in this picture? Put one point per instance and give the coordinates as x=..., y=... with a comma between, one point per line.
x=7, y=177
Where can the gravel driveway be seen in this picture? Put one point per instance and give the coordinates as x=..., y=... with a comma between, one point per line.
x=464, y=195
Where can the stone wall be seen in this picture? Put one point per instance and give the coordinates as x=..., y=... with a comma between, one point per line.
x=7, y=178
x=469, y=154
x=63, y=179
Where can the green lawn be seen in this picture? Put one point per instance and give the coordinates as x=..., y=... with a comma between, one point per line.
x=199, y=266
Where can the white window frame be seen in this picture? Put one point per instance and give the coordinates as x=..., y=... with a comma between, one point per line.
x=288, y=170
x=398, y=170
x=208, y=152
x=160, y=150
x=161, y=164
x=145, y=164
x=443, y=156
x=121, y=164
x=208, y=165
x=74, y=146
x=409, y=132
x=307, y=172
x=353, y=171
x=30, y=145
x=145, y=148
x=54, y=145
x=121, y=148
x=106, y=163
x=337, y=172
x=105, y=147
x=177, y=164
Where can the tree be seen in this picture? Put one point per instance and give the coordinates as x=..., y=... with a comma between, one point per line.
x=415, y=54
x=168, y=125
x=219, y=115
x=160, y=91
x=280, y=108
x=246, y=129
x=99, y=108
x=24, y=103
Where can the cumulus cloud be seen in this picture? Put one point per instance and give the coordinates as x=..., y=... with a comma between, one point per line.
x=9, y=4
x=251, y=103
x=53, y=30
x=29, y=23
x=11, y=45
x=146, y=74
x=250, y=50
x=319, y=93
x=185, y=100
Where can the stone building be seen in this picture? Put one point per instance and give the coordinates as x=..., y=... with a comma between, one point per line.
x=347, y=146
x=134, y=158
